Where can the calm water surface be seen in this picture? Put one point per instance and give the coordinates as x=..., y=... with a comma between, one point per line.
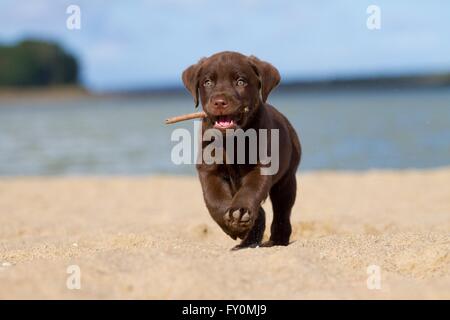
x=339, y=130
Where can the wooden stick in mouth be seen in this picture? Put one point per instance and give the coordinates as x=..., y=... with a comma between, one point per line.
x=196, y=115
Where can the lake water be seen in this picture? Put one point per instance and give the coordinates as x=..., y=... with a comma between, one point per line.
x=339, y=130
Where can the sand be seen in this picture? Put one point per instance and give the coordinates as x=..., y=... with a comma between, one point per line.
x=152, y=238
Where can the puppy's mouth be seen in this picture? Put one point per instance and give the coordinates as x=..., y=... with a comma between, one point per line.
x=225, y=122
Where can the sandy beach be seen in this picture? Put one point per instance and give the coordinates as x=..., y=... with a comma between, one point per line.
x=152, y=238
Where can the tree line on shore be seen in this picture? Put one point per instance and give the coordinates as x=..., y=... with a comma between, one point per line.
x=32, y=63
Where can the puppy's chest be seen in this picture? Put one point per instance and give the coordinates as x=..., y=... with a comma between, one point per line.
x=233, y=174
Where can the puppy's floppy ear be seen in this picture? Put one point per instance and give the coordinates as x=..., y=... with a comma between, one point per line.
x=269, y=76
x=190, y=80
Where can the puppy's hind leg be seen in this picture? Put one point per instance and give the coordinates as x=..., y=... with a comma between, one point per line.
x=255, y=235
x=282, y=196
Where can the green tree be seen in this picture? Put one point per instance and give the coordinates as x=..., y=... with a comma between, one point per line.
x=37, y=63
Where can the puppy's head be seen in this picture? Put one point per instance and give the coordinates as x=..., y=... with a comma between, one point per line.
x=231, y=87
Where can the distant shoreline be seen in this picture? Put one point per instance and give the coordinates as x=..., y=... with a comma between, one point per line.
x=425, y=81
x=420, y=81
x=44, y=93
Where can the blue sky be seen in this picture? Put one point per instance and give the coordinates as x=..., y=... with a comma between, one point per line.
x=128, y=44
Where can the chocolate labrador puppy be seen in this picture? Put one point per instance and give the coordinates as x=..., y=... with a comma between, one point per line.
x=233, y=90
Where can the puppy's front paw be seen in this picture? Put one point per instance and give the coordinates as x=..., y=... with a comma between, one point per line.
x=238, y=220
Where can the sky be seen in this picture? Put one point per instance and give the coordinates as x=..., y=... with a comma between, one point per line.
x=148, y=43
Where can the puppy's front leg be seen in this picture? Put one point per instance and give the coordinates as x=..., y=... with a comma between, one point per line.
x=218, y=196
x=245, y=215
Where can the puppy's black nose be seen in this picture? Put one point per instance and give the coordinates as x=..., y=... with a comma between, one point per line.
x=220, y=103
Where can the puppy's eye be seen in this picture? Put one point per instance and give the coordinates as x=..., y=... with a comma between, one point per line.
x=207, y=83
x=241, y=83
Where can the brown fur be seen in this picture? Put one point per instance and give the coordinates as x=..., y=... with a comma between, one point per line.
x=240, y=188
